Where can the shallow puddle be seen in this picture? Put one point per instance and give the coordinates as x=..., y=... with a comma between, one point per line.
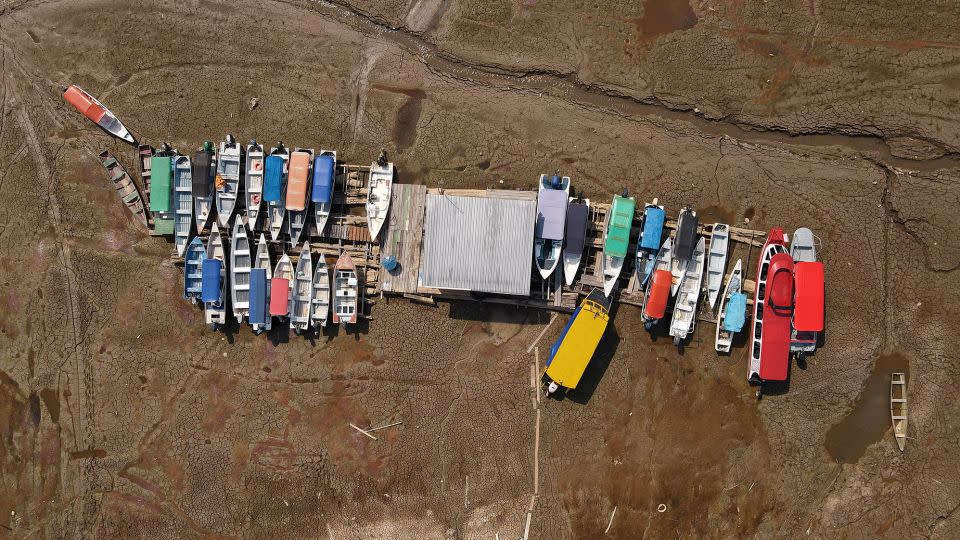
x=869, y=420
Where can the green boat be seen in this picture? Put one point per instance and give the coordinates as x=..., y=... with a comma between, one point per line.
x=616, y=239
x=161, y=190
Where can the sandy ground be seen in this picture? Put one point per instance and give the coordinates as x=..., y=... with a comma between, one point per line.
x=121, y=416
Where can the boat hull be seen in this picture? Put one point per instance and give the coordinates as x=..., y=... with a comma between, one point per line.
x=770, y=333
x=182, y=202
x=723, y=339
x=240, y=265
x=227, y=181
x=253, y=185
x=346, y=289
x=379, y=188
x=717, y=261
x=684, y=318
x=262, y=260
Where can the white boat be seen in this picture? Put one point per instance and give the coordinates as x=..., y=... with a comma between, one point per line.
x=578, y=218
x=203, y=165
x=379, y=188
x=717, y=260
x=655, y=297
x=214, y=297
x=297, y=196
x=253, y=184
x=685, y=308
x=280, y=305
x=227, y=179
x=345, y=288
x=898, y=408
x=240, y=261
x=616, y=239
x=302, y=291
x=262, y=260
x=182, y=202
x=320, y=300
x=552, y=198
x=275, y=183
x=724, y=336
x=324, y=184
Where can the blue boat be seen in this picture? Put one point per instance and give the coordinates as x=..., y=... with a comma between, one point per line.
x=649, y=243
x=275, y=176
x=192, y=263
x=324, y=172
x=258, y=296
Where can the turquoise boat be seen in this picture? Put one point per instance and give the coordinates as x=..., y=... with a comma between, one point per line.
x=616, y=238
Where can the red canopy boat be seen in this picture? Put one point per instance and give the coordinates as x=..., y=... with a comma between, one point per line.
x=656, y=304
x=808, y=309
x=772, y=312
x=279, y=297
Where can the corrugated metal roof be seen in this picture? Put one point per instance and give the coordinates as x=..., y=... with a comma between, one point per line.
x=481, y=244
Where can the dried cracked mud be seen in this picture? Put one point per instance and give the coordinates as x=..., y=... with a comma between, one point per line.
x=121, y=416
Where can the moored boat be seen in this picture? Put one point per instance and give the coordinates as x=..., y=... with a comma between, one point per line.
x=240, y=265
x=281, y=287
x=770, y=335
x=578, y=216
x=551, y=215
x=182, y=201
x=685, y=307
x=193, y=269
x=227, y=180
x=685, y=241
x=90, y=107
x=161, y=200
x=651, y=232
x=324, y=176
x=203, y=166
x=571, y=353
x=657, y=292
x=898, y=408
x=144, y=153
x=124, y=186
x=345, y=289
x=302, y=291
x=320, y=299
x=717, y=260
x=616, y=239
x=260, y=278
x=379, y=188
x=297, y=201
x=274, y=182
x=733, y=310
x=808, y=274
x=213, y=290
x=253, y=184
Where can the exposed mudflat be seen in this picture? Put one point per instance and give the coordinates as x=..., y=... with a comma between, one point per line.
x=122, y=416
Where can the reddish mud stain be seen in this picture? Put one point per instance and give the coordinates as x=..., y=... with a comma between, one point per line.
x=662, y=17
x=273, y=453
x=869, y=419
x=761, y=46
x=52, y=403
x=88, y=453
x=220, y=409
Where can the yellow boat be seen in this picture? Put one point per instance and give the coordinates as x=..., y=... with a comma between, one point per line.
x=572, y=352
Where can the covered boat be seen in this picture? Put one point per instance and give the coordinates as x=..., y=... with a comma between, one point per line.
x=227, y=179
x=808, y=316
x=685, y=241
x=297, y=201
x=204, y=166
x=258, y=314
x=281, y=287
x=124, y=187
x=240, y=265
x=773, y=295
x=345, y=288
x=193, y=269
x=275, y=179
x=685, y=308
x=733, y=310
x=253, y=184
x=649, y=243
x=324, y=175
x=571, y=353
x=161, y=202
x=616, y=239
x=97, y=113
x=575, y=234
x=302, y=291
x=378, y=195
x=320, y=299
x=717, y=260
x=182, y=202
x=551, y=216
x=214, y=280
x=657, y=292
x=261, y=262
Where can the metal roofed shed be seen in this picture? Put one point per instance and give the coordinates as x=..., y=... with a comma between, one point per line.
x=481, y=244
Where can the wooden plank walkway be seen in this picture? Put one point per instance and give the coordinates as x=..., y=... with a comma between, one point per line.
x=404, y=238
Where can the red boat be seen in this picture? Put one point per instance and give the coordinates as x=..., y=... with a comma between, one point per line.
x=656, y=304
x=808, y=315
x=772, y=312
x=95, y=111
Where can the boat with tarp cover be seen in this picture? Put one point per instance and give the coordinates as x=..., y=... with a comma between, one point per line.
x=733, y=310
x=281, y=287
x=651, y=231
x=571, y=353
x=808, y=277
x=260, y=276
x=297, y=200
x=213, y=290
x=657, y=292
x=616, y=239
x=575, y=234
x=274, y=183
x=324, y=175
x=772, y=309
x=551, y=216
x=161, y=194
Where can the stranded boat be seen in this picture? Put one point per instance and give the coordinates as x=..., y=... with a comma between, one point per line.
x=125, y=187
x=378, y=195
x=281, y=287
x=345, y=286
x=214, y=281
x=685, y=309
x=650, y=233
x=551, y=215
x=898, y=408
x=161, y=201
x=253, y=184
x=193, y=269
x=685, y=241
x=182, y=202
x=657, y=293
x=260, y=276
x=302, y=290
x=578, y=214
x=97, y=112
x=227, y=179
x=571, y=353
x=144, y=153
x=204, y=165
x=733, y=309
x=616, y=239
x=717, y=260
x=274, y=181
x=297, y=202
x=772, y=300
x=320, y=299
x=809, y=283
x=240, y=260
x=324, y=173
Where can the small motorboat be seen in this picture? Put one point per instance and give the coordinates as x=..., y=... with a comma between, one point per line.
x=214, y=280
x=297, y=199
x=302, y=291
x=717, y=260
x=649, y=243
x=274, y=183
x=808, y=275
x=97, y=112
x=733, y=309
x=281, y=288
x=162, y=204
x=144, y=153
x=203, y=168
x=182, y=202
x=193, y=269
x=324, y=176
x=320, y=300
x=898, y=408
x=125, y=187
x=227, y=179
x=240, y=265
x=551, y=215
x=571, y=353
x=378, y=195
x=346, y=289
x=616, y=239
x=772, y=310
x=253, y=184
x=685, y=241
x=260, y=318
x=657, y=292
x=578, y=217
x=685, y=308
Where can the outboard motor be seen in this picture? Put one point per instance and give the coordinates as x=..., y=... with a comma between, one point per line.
x=555, y=182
